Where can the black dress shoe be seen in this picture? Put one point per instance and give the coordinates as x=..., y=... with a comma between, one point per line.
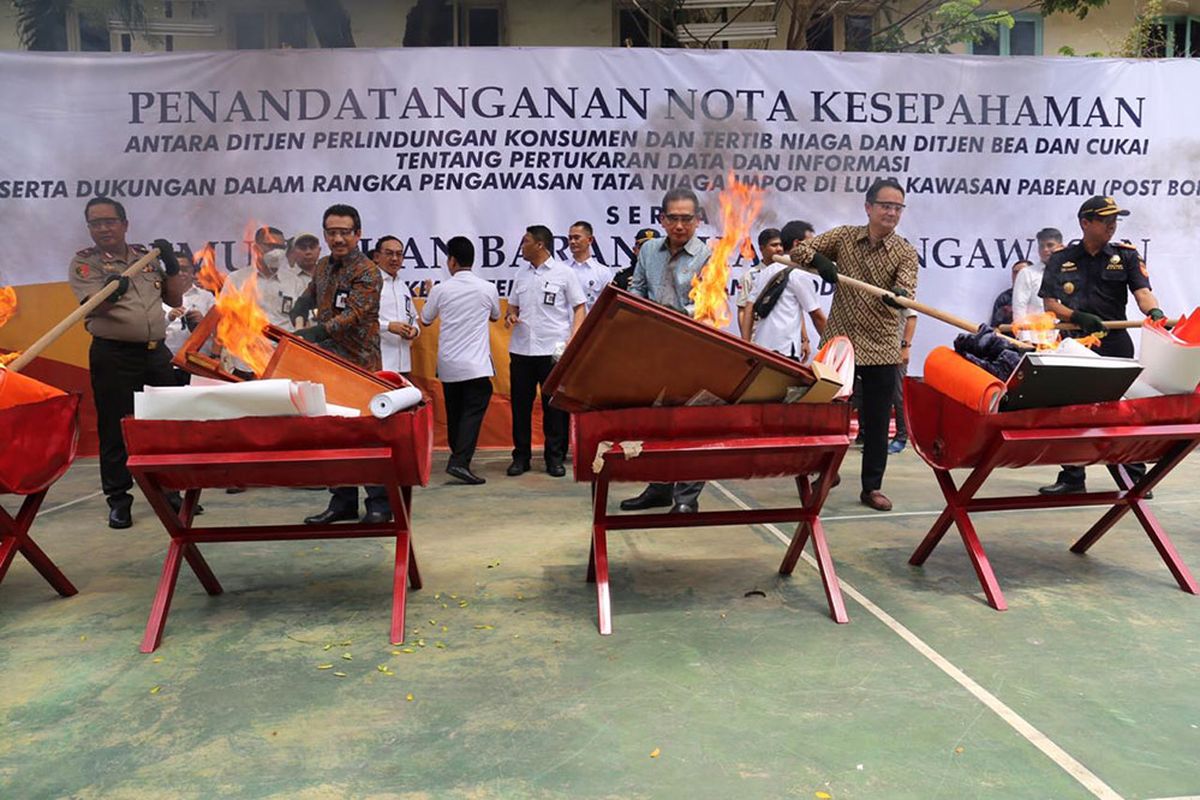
x=465, y=475
x=120, y=517
x=647, y=499
x=684, y=508
x=517, y=468
x=329, y=515
x=1062, y=487
x=376, y=517
x=555, y=469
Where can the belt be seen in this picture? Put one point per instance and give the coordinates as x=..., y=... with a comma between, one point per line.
x=151, y=345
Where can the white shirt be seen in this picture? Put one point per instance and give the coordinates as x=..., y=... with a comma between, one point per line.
x=276, y=292
x=1025, y=300
x=194, y=299
x=778, y=331
x=395, y=305
x=547, y=297
x=466, y=303
x=593, y=277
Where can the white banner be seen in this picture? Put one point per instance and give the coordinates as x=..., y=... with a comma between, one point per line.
x=429, y=144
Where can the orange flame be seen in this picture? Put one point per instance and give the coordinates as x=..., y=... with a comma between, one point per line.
x=1041, y=326
x=241, y=323
x=740, y=206
x=1091, y=340
x=8, y=303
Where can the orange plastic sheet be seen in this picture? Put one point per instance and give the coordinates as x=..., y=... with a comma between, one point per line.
x=959, y=379
x=18, y=390
x=1188, y=329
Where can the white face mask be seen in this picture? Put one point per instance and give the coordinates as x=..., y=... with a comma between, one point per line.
x=275, y=260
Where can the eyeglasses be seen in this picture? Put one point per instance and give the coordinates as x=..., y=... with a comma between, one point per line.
x=679, y=219
x=343, y=232
x=109, y=222
x=897, y=207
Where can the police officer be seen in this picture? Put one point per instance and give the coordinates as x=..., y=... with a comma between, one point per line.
x=1087, y=283
x=128, y=329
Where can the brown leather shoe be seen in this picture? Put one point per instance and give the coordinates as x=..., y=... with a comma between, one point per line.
x=875, y=499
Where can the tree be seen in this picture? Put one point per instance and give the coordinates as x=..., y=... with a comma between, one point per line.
x=919, y=26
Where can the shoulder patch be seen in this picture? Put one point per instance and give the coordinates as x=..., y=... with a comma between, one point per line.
x=87, y=251
x=139, y=248
x=82, y=269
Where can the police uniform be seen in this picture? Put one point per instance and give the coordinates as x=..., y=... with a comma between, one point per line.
x=1096, y=284
x=127, y=353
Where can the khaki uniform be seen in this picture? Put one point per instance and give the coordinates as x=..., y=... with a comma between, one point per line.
x=126, y=355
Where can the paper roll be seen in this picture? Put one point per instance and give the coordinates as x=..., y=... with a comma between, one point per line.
x=959, y=379
x=388, y=403
x=265, y=398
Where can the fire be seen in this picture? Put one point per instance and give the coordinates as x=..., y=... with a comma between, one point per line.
x=740, y=206
x=8, y=303
x=1091, y=340
x=241, y=323
x=1042, y=328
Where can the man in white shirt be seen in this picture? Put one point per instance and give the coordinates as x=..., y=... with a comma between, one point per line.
x=184, y=318
x=276, y=285
x=777, y=330
x=466, y=304
x=303, y=253
x=397, y=313
x=592, y=275
x=1025, y=300
x=545, y=309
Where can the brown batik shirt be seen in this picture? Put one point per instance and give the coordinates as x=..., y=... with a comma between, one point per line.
x=346, y=293
x=872, y=327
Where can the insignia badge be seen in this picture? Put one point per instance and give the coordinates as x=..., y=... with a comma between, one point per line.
x=1067, y=266
x=82, y=270
x=1115, y=259
x=158, y=284
x=1069, y=288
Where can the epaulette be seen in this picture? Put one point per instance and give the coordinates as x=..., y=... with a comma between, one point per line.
x=1125, y=244
x=87, y=251
x=139, y=248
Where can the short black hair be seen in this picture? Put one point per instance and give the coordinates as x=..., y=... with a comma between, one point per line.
x=680, y=193
x=767, y=234
x=795, y=231
x=881, y=184
x=343, y=210
x=462, y=250
x=1049, y=235
x=264, y=231
x=541, y=233
x=389, y=238
x=587, y=226
x=1023, y=262
x=101, y=200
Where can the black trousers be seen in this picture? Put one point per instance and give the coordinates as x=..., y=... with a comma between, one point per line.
x=878, y=389
x=118, y=369
x=345, y=498
x=1119, y=345
x=898, y=403
x=526, y=374
x=466, y=403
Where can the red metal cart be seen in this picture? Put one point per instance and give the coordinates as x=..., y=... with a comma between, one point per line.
x=712, y=443
x=39, y=446
x=278, y=451
x=948, y=435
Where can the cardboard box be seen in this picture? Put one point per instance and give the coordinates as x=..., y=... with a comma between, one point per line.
x=828, y=382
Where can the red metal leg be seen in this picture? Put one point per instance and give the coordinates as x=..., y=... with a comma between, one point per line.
x=1162, y=543
x=162, y=598
x=591, y=569
x=599, y=565
x=14, y=538
x=200, y=567
x=800, y=536
x=414, y=574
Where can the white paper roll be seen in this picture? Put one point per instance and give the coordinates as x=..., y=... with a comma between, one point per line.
x=388, y=403
x=266, y=398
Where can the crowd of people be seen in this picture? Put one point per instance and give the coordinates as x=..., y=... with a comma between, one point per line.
x=354, y=303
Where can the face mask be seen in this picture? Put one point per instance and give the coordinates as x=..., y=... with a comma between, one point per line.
x=276, y=260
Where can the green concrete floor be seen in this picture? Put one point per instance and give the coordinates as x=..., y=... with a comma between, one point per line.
x=508, y=691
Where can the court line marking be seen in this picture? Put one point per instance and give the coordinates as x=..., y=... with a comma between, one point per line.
x=1180, y=797
x=1062, y=758
x=70, y=503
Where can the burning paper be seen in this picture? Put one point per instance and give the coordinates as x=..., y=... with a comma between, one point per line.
x=1037, y=328
x=740, y=206
x=8, y=307
x=242, y=320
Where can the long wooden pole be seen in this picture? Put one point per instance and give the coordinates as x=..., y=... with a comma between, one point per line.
x=1109, y=324
x=920, y=308
x=52, y=335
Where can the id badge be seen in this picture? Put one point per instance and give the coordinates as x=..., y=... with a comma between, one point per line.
x=286, y=305
x=549, y=294
x=341, y=299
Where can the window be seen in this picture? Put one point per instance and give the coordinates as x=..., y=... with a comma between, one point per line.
x=820, y=34
x=1023, y=39
x=858, y=33
x=480, y=25
x=635, y=29
x=837, y=31
x=249, y=31
x=1175, y=37
x=293, y=30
